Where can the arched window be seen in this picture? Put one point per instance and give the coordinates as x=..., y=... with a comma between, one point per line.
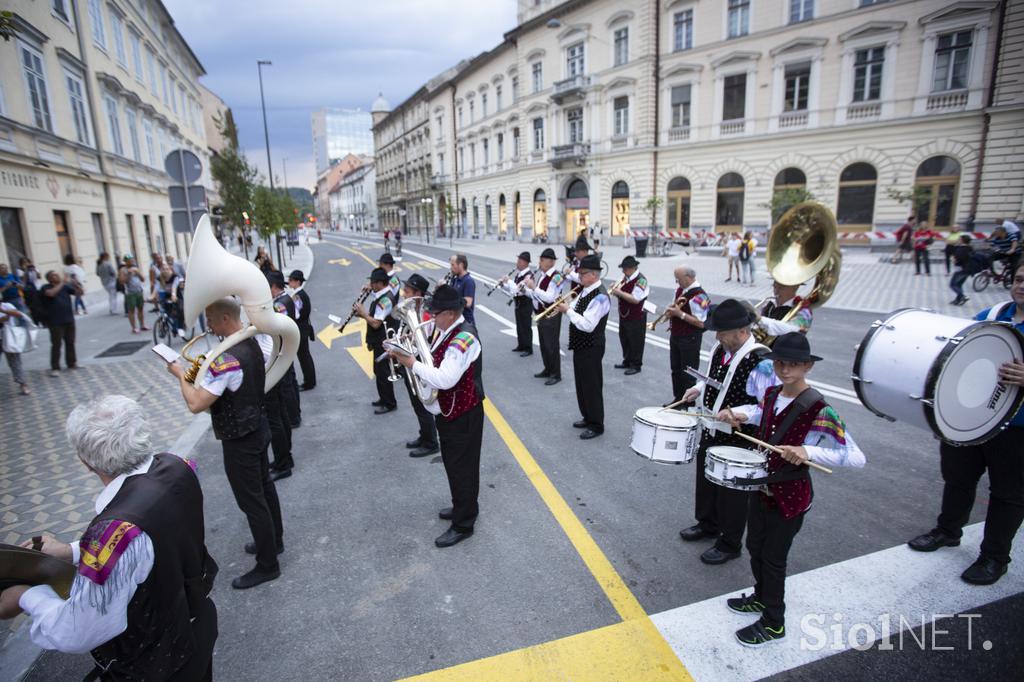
x=856, y=205
x=677, y=204
x=620, y=208
x=519, y=215
x=577, y=190
x=577, y=209
x=937, y=182
x=502, y=222
x=790, y=189
x=729, y=204
x=540, y=213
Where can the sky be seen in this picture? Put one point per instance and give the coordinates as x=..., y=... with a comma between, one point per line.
x=334, y=54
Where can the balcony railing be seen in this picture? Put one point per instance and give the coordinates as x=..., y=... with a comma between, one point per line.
x=733, y=127
x=947, y=101
x=862, y=112
x=570, y=87
x=564, y=154
x=680, y=134
x=620, y=141
x=792, y=119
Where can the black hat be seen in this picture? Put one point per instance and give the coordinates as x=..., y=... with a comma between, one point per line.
x=274, y=277
x=590, y=262
x=793, y=347
x=728, y=315
x=297, y=275
x=525, y=255
x=417, y=282
x=445, y=298
x=378, y=275
x=581, y=244
x=629, y=262
x=387, y=258
x=548, y=253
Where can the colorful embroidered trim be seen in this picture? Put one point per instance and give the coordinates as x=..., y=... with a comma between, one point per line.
x=829, y=423
x=98, y=556
x=224, y=363
x=702, y=300
x=462, y=341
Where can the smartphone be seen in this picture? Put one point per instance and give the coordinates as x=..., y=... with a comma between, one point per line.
x=166, y=352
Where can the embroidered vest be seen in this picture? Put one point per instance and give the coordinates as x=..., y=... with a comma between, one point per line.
x=375, y=337
x=238, y=413
x=463, y=396
x=543, y=286
x=580, y=340
x=523, y=298
x=736, y=394
x=790, y=497
x=777, y=312
x=631, y=311
x=679, y=327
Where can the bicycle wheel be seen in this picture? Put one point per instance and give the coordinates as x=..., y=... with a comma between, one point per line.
x=158, y=330
x=980, y=281
x=1007, y=278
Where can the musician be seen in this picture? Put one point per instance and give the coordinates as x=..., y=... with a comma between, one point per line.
x=686, y=318
x=275, y=400
x=721, y=512
x=378, y=321
x=303, y=307
x=545, y=288
x=1002, y=457
x=769, y=319
x=232, y=390
x=515, y=286
x=632, y=316
x=289, y=384
x=587, y=320
x=581, y=250
x=464, y=284
x=415, y=287
x=140, y=601
x=387, y=264
x=796, y=418
x=459, y=408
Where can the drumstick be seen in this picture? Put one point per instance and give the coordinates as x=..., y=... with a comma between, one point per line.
x=676, y=403
x=768, y=446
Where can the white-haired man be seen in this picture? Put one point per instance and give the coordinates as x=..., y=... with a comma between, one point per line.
x=140, y=600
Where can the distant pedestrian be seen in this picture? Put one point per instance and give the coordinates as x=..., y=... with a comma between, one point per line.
x=30, y=280
x=264, y=261
x=177, y=267
x=134, y=283
x=747, y=251
x=156, y=261
x=10, y=286
x=923, y=238
x=966, y=265
x=952, y=242
x=14, y=335
x=75, y=272
x=60, y=318
x=904, y=239
x=108, y=278
x=732, y=253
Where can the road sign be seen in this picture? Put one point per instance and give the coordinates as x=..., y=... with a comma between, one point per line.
x=188, y=201
x=183, y=166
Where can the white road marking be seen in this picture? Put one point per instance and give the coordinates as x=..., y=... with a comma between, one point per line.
x=510, y=327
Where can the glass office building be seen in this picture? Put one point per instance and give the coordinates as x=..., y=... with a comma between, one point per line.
x=338, y=133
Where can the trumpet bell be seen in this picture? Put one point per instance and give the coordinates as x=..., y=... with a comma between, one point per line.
x=801, y=243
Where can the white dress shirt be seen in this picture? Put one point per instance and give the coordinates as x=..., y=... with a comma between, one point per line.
x=547, y=296
x=696, y=309
x=453, y=365
x=383, y=307
x=778, y=327
x=639, y=292
x=596, y=309
x=514, y=289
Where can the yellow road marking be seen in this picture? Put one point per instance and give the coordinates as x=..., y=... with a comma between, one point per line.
x=363, y=357
x=361, y=255
x=427, y=265
x=412, y=266
x=340, y=261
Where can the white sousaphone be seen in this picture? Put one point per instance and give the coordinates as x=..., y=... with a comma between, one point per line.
x=212, y=274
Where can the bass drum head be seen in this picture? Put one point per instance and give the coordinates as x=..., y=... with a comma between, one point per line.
x=970, y=404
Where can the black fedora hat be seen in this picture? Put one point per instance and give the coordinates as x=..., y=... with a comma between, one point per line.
x=417, y=282
x=525, y=255
x=297, y=276
x=728, y=315
x=581, y=244
x=445, y=298
x=629, y=262
x=792, y=347
x=387, y=258
x=590, y=262
x=548, y=253
x=379, y=275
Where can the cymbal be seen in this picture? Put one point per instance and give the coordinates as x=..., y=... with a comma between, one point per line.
x=21, y=566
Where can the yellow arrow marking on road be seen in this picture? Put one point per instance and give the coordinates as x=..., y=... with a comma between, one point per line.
x=427, y=265
x=340, y=261
x=412, y=266
x=363, y=357
x=372, y=263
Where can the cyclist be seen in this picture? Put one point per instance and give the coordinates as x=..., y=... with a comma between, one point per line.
x=1005, y=247
x=167, y=286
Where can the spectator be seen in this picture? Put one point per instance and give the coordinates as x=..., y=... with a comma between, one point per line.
x=108, y=277
x=1011, y=227
x=967, y=263
x=747, y=251
x=952, y=242
x=263, y=260
x=904, y=241
x=75, y=272
x=155, y=263
x=13, y=347
x=60, y=318
x=30, y=281
x=177, y=267
x=10, y=286
x=1005, y=246
x=732, y=252
x=134, y=291
x=167, y=292
x=923, y=238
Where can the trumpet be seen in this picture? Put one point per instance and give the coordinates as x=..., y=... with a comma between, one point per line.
x=194, y=363
x=362, y=297
x=566, y=298
x=664, y=314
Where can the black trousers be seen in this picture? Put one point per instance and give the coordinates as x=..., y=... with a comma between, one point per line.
x=280, y=428
x=524, y=323
x=460, y=451
x=248, y=472
x=62, y=333
x=290, y=398
x=683, y=352
x=769, y=537
x=921, y=256
x=428, y=431
x=381, y=372
x=962, y=467
x=719, y=509
x=548, y=331
x=632, y=336
x=306, y=358
x=586, y=370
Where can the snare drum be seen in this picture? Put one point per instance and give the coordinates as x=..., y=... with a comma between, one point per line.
x=724, y=463
x=939, y=373
x=665, y=436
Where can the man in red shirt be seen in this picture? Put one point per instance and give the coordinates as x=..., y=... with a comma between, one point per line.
x=903, y=239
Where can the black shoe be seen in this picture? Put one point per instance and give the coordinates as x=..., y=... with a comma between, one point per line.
x=445, y=514
x=283, y=473
x=715, y=556
x=414, y=443
x=307, y=388
x=384, y=409
x=581, y=424
x=295, y=425
x=250, y=548
x=255, y=577
x=697, y=532
x=631, y=371
x=377, y=403
x=452, y=536
x=983, y=572
x=424, y=451
x=590, y=433
x=517, y=349
x=622, y=365
x=760, y=633
x=933, y=540
x=542, y=375
x=552, y=381
x=526, y=353
x=745, y=603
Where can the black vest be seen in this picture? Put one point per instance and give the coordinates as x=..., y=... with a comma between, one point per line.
x=238, y=413
x=775, y=312
x=736, y=393
x=171, y=620
x=375, y=337
x=580, y=340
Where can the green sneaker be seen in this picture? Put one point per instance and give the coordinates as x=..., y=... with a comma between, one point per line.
x=760, y=634
x=745, y=603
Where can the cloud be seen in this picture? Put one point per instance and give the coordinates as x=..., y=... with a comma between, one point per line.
x=337, y=54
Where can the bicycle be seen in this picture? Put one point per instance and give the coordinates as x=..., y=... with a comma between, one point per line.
x=981, y=280
x=163, y=328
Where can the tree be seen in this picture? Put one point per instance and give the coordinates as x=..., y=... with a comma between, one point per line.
x=653, y=205
x=6, y=25
x=785, y=199
x=233, y=174
x=266, y=212
x=918, y=197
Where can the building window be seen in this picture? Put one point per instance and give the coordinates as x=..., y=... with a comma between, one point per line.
x=60, y=226
x=99, y=34
x=133, y=133
x=575, y=120
x=789, y=188
x=136, y=44
x=620, y=208
x=117, y=28
x=515, y=89
x=114, y=125
x=501, y=147
x=540, y=213
x=14, y=236
x=497, y=98
x=621, y=106
x=856, y=205
x=729, y=204
x=483, y=105
x=174, y=98
x=76, y=94
x=151, y=64
x=537, y=71
x=734, y=97
x=515, y=143
x=35, y=80
x=798, y=80
x=472, y=155
x=60, y=8
x=952, y=59
x=147, y=129
x=683, y=30
x=739, y=18
x=181, y=94
x=97, y=232
x=867, y=74
x=800, y=10
x=462, y=158
x=460, y=116
x=869, y=3
x=163, y=81
x=681, y=106
x=677, y=206
x=538, y=134
x=937, y=181
x=487, y=151
x=574, y=60
x=621, y=46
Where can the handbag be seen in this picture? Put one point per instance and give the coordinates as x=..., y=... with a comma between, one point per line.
x=18, y=338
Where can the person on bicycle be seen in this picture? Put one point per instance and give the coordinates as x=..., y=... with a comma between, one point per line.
x=1005, y=246
x=398, y=241
x=167, y=286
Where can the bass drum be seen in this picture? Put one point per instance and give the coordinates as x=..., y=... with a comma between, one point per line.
x=665, y=436
x=939, y=373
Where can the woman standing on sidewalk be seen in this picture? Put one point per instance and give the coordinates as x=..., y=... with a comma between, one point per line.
x=108, y=277
x=11, y=317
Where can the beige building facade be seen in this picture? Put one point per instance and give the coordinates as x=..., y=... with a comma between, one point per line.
x=93, y=95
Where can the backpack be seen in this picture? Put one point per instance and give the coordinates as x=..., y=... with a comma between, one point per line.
x=745, y=250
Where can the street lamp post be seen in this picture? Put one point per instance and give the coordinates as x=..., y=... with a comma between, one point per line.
x=428, y=208
x=266, y=139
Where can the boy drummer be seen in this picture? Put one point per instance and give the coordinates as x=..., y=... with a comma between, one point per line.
x=797, y=419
